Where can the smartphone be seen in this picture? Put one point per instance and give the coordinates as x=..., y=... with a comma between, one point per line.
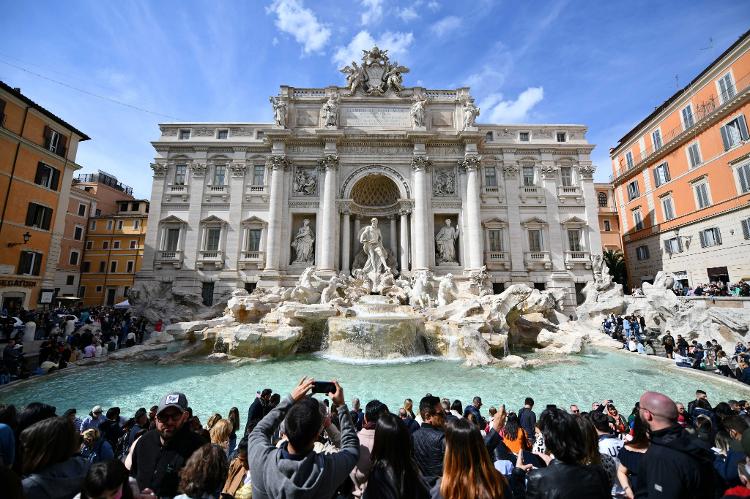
x=324, y=387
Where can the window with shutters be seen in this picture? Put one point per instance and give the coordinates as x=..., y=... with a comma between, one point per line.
x=734, y=132
x=179, y=174
x=258, y=174
x=673, y=245
x=710, y=237
x=629, y=159
x=113, y=267
x=74, y=258
x=490, y=177
x=743, y=177
x=641, y=253
x=668, y=206
x=30, y=263
x=496, y=239
x=602, y=198
x=633, y=191
x=54, y=141
x=47, y=176
x=78, y=233
x=726, y=86
x=607, y=226
x=702, y=194
x=746, y=228
x=638, y=219
x=661, y=174
x=535, y=240
x=694, y=154
x=656, y=139
x=566, y=176
x=687, y=117
x=81, y=210
x=38, y=216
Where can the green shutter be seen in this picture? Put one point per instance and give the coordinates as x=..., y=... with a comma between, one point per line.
x=37, y=263
x=31, y=214
x=46, y=218
x=743, y=126
x=55, y=181
x=725, y=138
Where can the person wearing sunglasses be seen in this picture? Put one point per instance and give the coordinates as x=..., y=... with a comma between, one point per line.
x=161, y=453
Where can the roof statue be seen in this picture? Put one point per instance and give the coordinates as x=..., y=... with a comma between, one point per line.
x=376, y=75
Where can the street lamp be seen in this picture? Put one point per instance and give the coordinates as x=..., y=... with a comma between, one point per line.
x=26, y=238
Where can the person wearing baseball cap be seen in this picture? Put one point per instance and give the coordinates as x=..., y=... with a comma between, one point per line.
x=93, y=420
x=161, y=453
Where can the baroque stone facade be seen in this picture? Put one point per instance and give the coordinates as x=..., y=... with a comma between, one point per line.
x=237, y=205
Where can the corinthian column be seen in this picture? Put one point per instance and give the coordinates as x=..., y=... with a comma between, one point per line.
x=277, y=164
x=473, y=222
x=420, y=164
x=346, y=237
x=327, y=233
x=404, y=212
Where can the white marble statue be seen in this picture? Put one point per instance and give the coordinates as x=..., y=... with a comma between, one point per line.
x=447, y=291
x=279, y=111
x=471, y=112
x=304, y=243
x=417, y=111
x=355, y=77
x=330, y=292
x=372, y=243
x=419, y=295
x=330, y=111
x=305, y=182
x=445, y=241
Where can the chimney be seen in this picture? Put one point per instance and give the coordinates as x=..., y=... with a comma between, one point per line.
x=17, y=89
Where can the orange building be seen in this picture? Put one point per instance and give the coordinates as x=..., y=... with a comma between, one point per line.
x=682, y=179
x=113, y=253
x=91, y=195
x=609, y=223
x=37, y=161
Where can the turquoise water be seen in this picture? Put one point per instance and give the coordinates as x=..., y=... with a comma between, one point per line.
x=217, y=387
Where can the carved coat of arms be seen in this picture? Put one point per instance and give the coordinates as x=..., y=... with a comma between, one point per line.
x=376, y=75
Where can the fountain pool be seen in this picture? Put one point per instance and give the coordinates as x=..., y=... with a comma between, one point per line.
x=217, y=387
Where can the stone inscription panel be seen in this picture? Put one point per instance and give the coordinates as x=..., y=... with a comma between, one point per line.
x=375, y=117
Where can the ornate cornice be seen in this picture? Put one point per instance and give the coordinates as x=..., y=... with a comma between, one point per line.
x=586, y=171
x=421, y=163
x=238, y=169
x=329, y=162
x=510, y=170
x=278, y=162
x=160, y=169
x=548, y=170
x=198, y=169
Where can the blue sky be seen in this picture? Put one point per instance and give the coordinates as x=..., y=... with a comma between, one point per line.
x=600, y=63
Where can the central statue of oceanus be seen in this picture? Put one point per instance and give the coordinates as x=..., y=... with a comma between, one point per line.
x=372, y=243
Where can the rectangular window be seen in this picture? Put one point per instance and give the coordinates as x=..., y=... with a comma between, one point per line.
x=38, y=216
x=687, y=116
x=131, y=264
x=54, y=141
x=123, y=206
x=629, y=159
x=574, y=240
x=46, y=176
x=673, y=245
x=105, y=244
x=81, y=210
x=30, y=263
x=633, y=191
x=528, y=176
x=213, y=234
x=110, y=224
x=638, y=219
x=113, y=267
x=73, y=258
x=561, y=137
x=82, y=291
x=133, y=244
x=220, y=173
x=535, y=240
x=743, y=173
x=70, y=280
x=694, y=155
x=734, y=132
x=135, y=206
x=119, y=225
x=746, y=228
x=496, y=239
x=259, y=135
x=184, y=135
x=656, y=137
x=253, y=239
x=92, y=225
x=98, y=289
x=726, y=87
x=116, y=245
x=602, y=198
x=179, y=174
x=207, y=293
x=523, y=136
x=98, y=212
x=710, y=237
x=490, y=177
x=661, y=174
x=222, y=134
x=78, y=233
x=702, y=198
x=102, y=267
x=258, y=173
x=566, y=176
x=607, y=226
x=668, y=206
x=171, y=239
x=641, y=253
x=86, y=267
x=89, y=245
x=136, y=224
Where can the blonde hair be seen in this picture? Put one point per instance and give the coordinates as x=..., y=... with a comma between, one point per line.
x=212, y=420
x=221, y=431
x=90, y=436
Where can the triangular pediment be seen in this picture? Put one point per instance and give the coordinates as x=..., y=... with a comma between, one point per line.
x=534, y=221
x=213, y=219
x=171, y=219
x=494, y=222
x=253, y=220
x=573, y=221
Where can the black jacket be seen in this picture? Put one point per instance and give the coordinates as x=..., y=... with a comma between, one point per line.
x=676, y=465
x=574, y=481
x=382, y=485
x=429, y=449
x=255, y=413
x=158, y=467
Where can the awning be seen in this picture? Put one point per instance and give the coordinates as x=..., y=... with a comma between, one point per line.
x=123, y=304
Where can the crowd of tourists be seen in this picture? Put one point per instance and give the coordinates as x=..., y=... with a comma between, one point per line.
x=66, y=336
x=296, y=446
x=715, y=288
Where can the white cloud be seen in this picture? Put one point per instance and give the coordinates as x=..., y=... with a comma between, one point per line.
x=497, y=110
x=396, y=43
x=373, y=12
x=407, y=14
x=446, y=25
x=434, y=6
x=293, y=18
x=275, y=41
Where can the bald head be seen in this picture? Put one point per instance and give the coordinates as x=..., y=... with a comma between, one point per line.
x=658, y=410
